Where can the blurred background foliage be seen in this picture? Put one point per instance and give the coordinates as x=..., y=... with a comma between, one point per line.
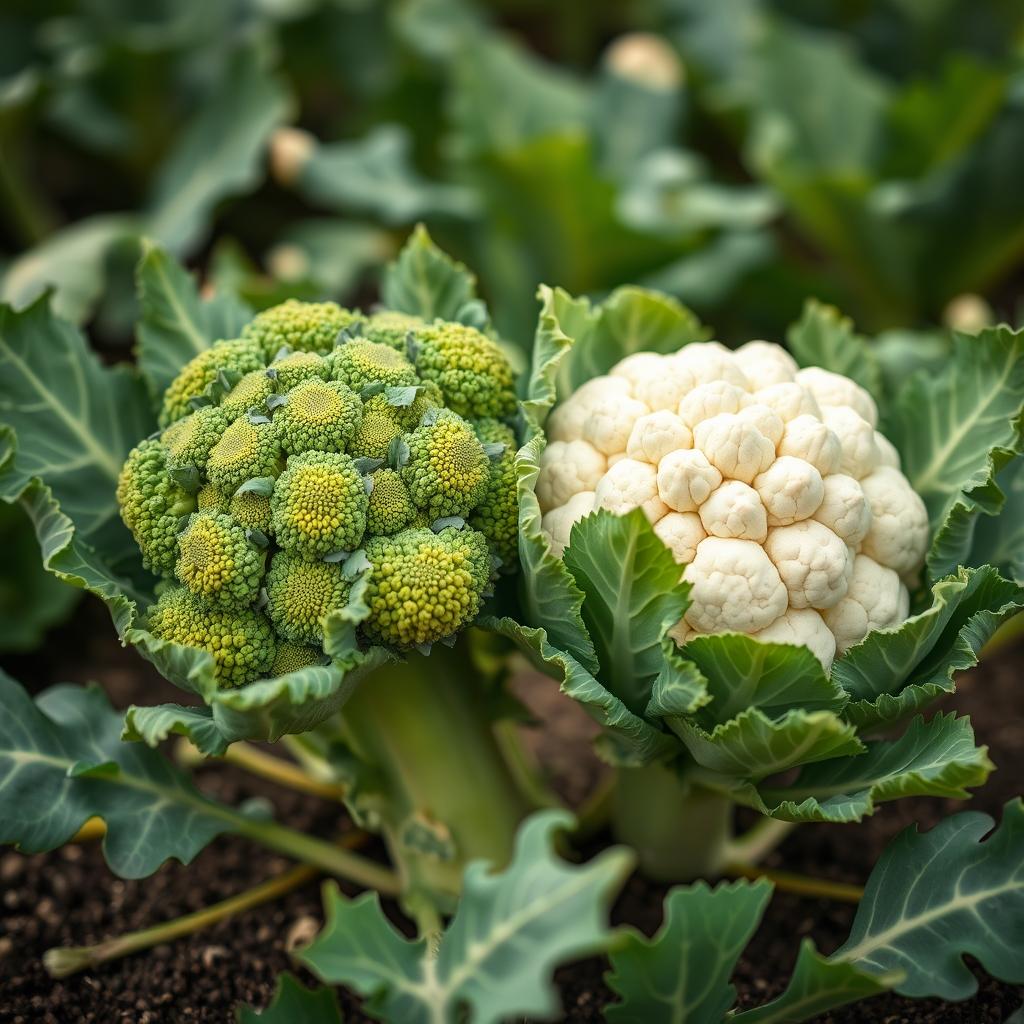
x=739, y=154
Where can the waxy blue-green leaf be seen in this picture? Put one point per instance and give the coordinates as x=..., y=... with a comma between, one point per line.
x=293, y=1003
x=682, y=974
x=934, y=758
x=496, y=958
x=934, y=897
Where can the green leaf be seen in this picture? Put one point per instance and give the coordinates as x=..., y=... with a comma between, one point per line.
x=510, y=931
x=934, y=897
x=817, y=986
x=633, y=594
x=375, y=175
x=1000, y=541
x=62, y=762
x=895, y=671
x=682, y=974
x=152, y=725
x=824, y=337
x=425, y=282
x=220, y=153
x=934, y=758
x=175, y=324
x=956, y=430
x=294, y=1004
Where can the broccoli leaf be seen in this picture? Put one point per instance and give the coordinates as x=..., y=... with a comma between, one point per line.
x=62, y=762
x=933, y=897
x=294, y=1004
x=175, y=323
x=682, y=974
x=426, y=282
x=934, y=758
x=509, y=932
x=154, y=724
x=1000, y=541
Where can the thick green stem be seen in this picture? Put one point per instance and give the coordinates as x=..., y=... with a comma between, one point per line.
x=679, y=830
x=443, y=793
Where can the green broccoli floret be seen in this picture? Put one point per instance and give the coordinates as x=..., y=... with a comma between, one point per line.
x=217, y=562
x=379, y=426
x=391, y=509
x=232, y=358
x=358, y=363
x=318, y=415
x=390, y=328
x=251, y=392
x=301, y=326
x=471, y=370
x=447, y=469
x=152, y=505
x=319, y=505
x=497, y=514
x=251, y=511
x=300, y=593
x=247, y=449
x=295, y=367
x=241, y=640
x=211, y=499
x=424, y=586
x=189, y=441
x=292, y=657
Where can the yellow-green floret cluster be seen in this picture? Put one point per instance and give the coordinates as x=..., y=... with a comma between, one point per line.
x=321, y=447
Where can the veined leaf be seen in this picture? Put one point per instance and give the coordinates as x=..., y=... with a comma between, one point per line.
x=682, y=974
x=293, y=1003
x=1000, y=541
x=936, y=896
x=152, y=725
x=824, y=337
x=426, y=282
x=175, y=324
x=509, y=932
x=956, y=431
x=632, y=595
x=934, y=758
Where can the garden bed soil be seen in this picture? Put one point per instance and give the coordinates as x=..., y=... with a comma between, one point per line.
x=68, y=897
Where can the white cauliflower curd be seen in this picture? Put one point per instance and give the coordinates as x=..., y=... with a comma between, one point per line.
x=771, y=485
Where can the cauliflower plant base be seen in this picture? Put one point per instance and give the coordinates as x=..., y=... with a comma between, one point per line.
x=319, y=444
x=770, y=484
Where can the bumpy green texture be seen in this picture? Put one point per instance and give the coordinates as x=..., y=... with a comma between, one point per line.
x=300, y=326
x=448, y=469
x=232, y=358
x=300, y=593
x=470, y=369
x=241, y=640
x=288, y=451
x=152, y=505
x=319, y=505
x=424, y=585
x=217, y=562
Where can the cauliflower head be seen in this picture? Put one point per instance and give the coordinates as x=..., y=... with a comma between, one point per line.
x=319, y=445
x=770, y=485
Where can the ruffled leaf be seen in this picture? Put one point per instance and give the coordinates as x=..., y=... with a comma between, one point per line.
x=293, y=1003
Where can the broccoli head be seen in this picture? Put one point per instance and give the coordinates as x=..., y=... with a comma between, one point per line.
x=390, y=328
x=293, y=657
x=251, y=392
x=447, y=470
x=217, y=562
x=300, y=326
x=226, y=361
x=248, y=448
x=251, y=510
x=293, y=368
x=189, y=441
x=390, y=508
x=496, y=516
x=321, y=415
x=300, y=593
x=359, y=363
x=211, y=499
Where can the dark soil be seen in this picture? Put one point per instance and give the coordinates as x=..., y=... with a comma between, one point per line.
x=70, y=898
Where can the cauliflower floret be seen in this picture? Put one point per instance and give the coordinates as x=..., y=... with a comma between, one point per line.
x=766, y=419
x=640, y=366
x=734, y=446
x=789, y=400
x=567, y=467
x=686, y=479
x=856, y=438
x=630, y=484
x=807, y=438
x=898, y=536
x=664, y=386
x=709, y=400
x=875, y=599
x=790, y=490
x=656, y=434
x=609, y=426
x=558, y=523
x=709, y=362
x=735, y=587
x=844, y=509
x=567, y=420
x=806, y=627
x=832, y=389
x=766, y=363
x=887, y=453
x=813, y=562
x=681, y=532
x=735, y=510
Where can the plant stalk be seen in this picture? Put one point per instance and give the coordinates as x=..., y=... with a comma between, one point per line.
x=801, y=885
